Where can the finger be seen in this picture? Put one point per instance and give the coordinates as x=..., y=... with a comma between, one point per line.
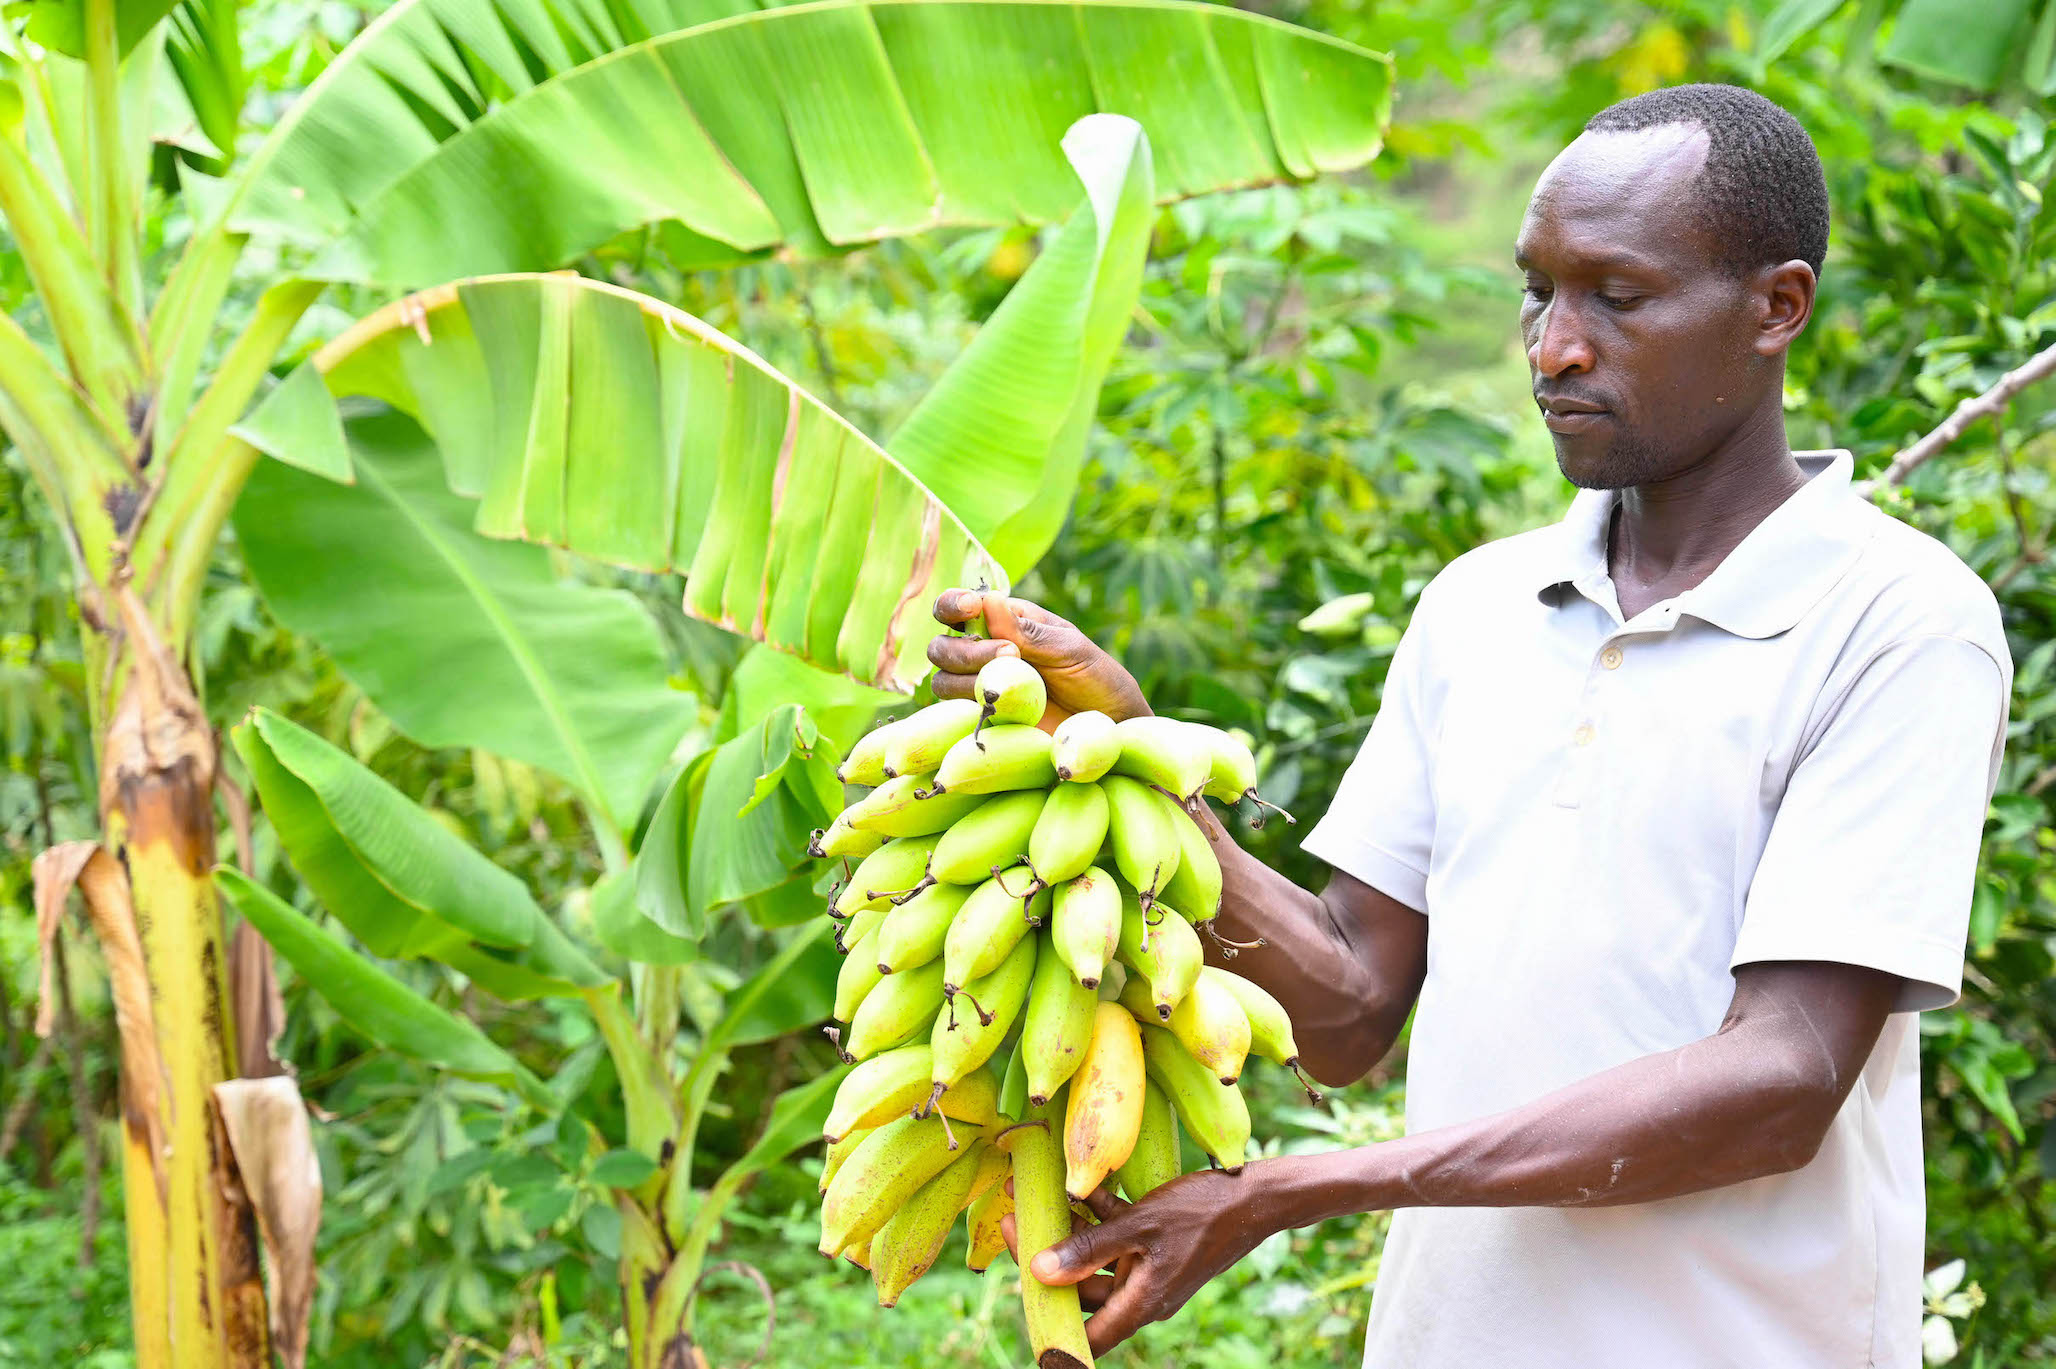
x=953, y=686
x=1006, y=1231
x=966, y=655
x=1028, y=611
x=1094, y=1292
x=1126, y=1311
x=958, y=606
x=1086, y=1252
x=1105, y=1204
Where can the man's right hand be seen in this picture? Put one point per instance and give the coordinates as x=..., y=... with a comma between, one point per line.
x=1079, y=675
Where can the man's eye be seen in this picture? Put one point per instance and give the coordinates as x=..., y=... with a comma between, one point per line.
x=1617, y=301
x=1535, y=291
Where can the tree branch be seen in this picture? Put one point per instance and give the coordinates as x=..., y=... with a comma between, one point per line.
x=1987, y=405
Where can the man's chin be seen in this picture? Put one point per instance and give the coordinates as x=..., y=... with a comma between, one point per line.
x=1589, y=467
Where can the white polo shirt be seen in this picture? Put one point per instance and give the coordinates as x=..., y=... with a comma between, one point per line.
x=1600, y=818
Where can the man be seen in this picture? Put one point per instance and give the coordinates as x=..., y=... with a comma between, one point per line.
x=1664, y=832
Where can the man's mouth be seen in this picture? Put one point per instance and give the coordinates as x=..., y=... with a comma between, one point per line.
x=1572, y=415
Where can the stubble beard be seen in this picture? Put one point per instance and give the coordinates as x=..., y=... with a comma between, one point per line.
x=1629, y=459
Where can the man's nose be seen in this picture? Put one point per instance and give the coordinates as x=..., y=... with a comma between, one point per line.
x=1559, y=343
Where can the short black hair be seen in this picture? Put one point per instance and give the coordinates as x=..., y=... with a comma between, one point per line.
x=1765, y=196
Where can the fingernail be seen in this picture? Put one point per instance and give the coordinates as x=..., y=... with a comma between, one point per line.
x=1045, y=1266
x=1007, y=649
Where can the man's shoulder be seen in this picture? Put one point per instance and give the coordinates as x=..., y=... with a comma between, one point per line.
x=1912, y=585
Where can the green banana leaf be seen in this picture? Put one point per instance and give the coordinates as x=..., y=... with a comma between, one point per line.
x=462, y=640
x=1964, y=45
x=621, y=927
x=401, y=882
x=589, y=417
x=1001, y=437
x=462, y=137
x=734, y=824
x=372, y=1001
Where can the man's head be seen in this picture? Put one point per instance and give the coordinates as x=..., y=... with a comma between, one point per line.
x=1671, y=253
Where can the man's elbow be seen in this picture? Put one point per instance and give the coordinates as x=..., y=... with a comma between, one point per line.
x=1343, y=1055
x=1795, y=1110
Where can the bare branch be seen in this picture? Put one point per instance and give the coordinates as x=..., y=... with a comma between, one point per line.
x=1989, y=404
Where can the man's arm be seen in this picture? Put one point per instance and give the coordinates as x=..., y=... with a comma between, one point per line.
x=1753, y=1099
x=1347, y=962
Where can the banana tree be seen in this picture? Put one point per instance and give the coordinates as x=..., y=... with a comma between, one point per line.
x=454, y=149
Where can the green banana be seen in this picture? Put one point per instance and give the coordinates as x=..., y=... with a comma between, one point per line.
x=857, y=977
x=1270, y=1029
x=1085, y=746
x=1210, y=1023
x=919, y=742
x=1232, y=775
x=896, y=1084
x=882, y=1174
x=1085, y=924
x=1195, y=888
x=840, y=838
x=894, y=1011
x=995, y=835
x=901, y=808
x=1057, y=1028
x=1011, y=691
x=912, y=934
x=861, y=924
x=1011, y=757
x=1068, y=833
x=1146, y=849
x=965, y=1040
x=1042, y=1217
x=1170, y=754
x=1154, y=1160
x=1168, y=954
x=1213, y=1113
x=906, y=1246
x=894, y=869
x=994, y=917
x=865, y=764
x=837, y=1152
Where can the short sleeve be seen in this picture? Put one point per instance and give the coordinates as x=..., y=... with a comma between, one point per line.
x=1873, y=852
x=1381, y=826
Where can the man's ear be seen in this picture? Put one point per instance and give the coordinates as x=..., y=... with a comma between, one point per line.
x=1784, y=299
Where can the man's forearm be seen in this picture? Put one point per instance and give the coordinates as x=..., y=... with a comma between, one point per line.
x=1346, y=1001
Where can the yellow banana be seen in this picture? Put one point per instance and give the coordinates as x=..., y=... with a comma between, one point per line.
x=882, y=1173
x=988, y=1242
x=1085, y=924
x=1057, y=1030
x=993, y=919
x=896, y=1084
x=839, y=838
x=912, y=934
x=1195, y=889
x=865, y=764
x=857, y=977
x=1232, y=775
x=1270, y=1029
x=901, y=808
x=1165, y=752
x=1168, y=954
x=1042, y=1217
x=895, y=1011
x=1069, y=832
x=1085, y=746
x=893, y=870
x=906, y=1246
x=860, y=1255
x=1154, y=1161
x=1011, y=757
x=1146, y=847
x=1104, y=1114
x=838, y=1151
x=1011, y=691
x=994, y=1165
x=1212, y=1112
x=1210, y=1023
x=995, y=835
x=919, y=742
x=981, y=1014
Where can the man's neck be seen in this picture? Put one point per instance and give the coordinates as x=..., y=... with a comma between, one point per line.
x=1669, y=535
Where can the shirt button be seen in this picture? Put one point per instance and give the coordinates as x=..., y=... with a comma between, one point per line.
x=1583, y=736
x=1611, y=658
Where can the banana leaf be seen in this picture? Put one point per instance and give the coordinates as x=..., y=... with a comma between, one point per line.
x=589, y=417
x=465, y=137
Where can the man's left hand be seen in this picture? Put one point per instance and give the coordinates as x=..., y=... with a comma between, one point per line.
x=1161, y=1249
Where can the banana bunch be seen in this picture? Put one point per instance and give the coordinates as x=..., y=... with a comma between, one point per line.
x=1025, y=995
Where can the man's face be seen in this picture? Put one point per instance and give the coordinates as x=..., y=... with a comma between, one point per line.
x=1641, y=351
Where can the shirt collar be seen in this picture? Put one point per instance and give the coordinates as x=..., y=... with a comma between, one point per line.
x=1767, y=583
